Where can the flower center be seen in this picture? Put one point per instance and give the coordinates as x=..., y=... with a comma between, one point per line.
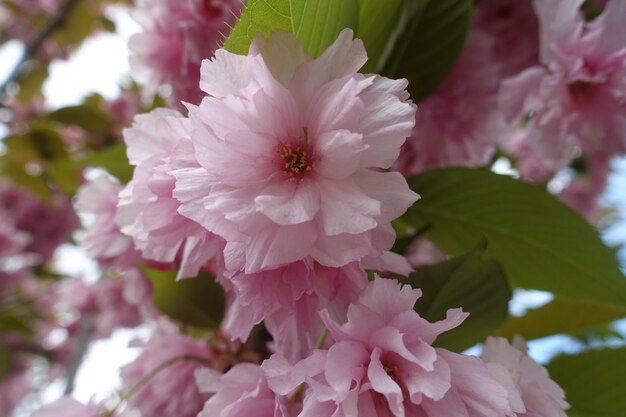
x=391, y=371
x=295, y=158
x=580, y=91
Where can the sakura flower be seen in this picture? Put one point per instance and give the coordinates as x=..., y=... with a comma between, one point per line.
x=458, y=125
x=108, y=303
x=382, y=364
x=47, y=225
x=577, y=99
x=103, y=239
x=290, y=151
x=531, y=391
x=505, y=20
x=157, y=143
x=288, y=299
x=176, y=36
x=241, y=392
x=67, y=407
x=15, y=384
x=171, y=391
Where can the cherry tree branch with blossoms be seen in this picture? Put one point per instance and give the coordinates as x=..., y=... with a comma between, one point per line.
x=305, y=238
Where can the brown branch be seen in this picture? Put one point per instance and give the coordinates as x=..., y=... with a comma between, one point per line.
x=33, y=48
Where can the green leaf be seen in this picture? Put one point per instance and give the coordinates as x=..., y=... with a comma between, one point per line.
x=380, y=25
x=480, y=287
x=561, y=315
x=32, y=81
x=113, y=159
x=431, y=45
x=89, y=117
x=198, y=301
x=540, y=242
x=316, y=23
x=77, y=26
x=593, y=381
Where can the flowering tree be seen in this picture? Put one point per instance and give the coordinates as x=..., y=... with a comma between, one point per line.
x=301, y=205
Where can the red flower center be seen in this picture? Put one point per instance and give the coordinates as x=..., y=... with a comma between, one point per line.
x=581, y=91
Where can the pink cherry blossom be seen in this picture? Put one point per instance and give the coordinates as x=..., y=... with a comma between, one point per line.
x=505, y=20
x=576, y=101
x=382, y=364
x=171, y=391
x=157, y=143
x=241, y=392
x=531, y=391
x=103, y=239
x=288, y=299
x=15, y=384
x=46, y=224
x=290, y=152
x=458, y=123
x=176, y=36
x=109, y=303
x=67, y=407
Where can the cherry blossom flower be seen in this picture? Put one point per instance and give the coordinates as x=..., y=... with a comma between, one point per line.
x=171, y=391
x=176, y=36
x=531, y=391
x=288, y=299
x=382, y=364
x=109, y=303
x=504, y=21
x=577, y=99
x=290, y=151
x=157, y=143
x=241, y=392
x=103, y=239
x=458, y=124
x=46, y=224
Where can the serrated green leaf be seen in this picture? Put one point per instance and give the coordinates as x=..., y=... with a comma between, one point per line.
x=593, y=381
x=431, y=45
x=480, y=287
x=88, y=117
x=561, y=315
x=540, y=242
x=198, y=302
x=316, y=23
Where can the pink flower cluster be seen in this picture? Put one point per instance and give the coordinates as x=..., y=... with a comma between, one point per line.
x=380, y=362
x=278, y=181
x=549, y=100
x=176, y=36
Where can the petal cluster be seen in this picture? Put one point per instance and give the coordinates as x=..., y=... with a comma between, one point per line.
x=290, y=152
x=381, y=363
x=157, y=143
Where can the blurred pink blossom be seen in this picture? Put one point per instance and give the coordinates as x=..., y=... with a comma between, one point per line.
x=176, y=36
x=531, y=391
x=171, y=391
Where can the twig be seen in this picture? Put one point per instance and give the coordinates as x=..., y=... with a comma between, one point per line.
x=33, y=48
x=84, y=334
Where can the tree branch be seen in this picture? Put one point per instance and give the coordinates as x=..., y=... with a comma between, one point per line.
x=33, y=48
